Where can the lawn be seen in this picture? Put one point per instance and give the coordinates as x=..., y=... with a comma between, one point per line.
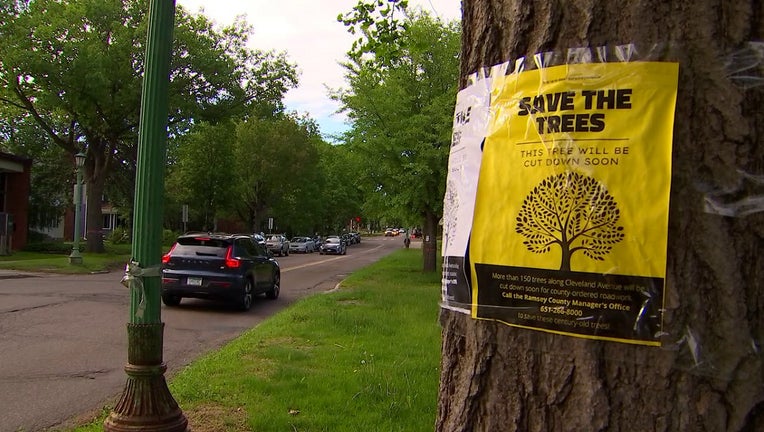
x=116, y=256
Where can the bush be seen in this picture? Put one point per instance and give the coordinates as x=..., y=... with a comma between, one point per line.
x=169, y=237
x=119, y=235
x=38, y=237
x=51, y=247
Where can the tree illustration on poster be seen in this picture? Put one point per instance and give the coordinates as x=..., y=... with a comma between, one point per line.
x=573, y=211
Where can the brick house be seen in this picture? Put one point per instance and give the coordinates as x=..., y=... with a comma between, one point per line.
x=15, y=185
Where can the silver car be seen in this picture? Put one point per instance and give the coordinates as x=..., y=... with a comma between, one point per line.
x=302, y=245
x=333, y=245
x=277, y=244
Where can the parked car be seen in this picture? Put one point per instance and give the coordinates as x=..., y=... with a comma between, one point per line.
x=348, y=239
x=391, y=232
x=278, y=244
x=259, y=238
x=333, y=245
x=302, y=245
x=231, y=267
x=356, y=236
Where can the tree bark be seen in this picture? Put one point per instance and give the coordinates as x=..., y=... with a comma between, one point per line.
x=95, y=181
x=709, y=375
x=430, y=242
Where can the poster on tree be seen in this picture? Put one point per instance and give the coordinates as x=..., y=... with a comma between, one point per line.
x=571, y=215
x=470, y=122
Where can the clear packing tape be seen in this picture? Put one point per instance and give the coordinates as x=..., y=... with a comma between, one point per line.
x=494, y=274
x=745, y=196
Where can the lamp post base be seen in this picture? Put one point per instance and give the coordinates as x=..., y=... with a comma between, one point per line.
x=75, y=259
x=146, y=403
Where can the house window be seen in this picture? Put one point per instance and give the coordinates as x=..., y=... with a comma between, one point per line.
x=111, y=221
x=108, y=221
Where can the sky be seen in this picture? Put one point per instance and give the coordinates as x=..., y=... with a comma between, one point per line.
x=308, y=31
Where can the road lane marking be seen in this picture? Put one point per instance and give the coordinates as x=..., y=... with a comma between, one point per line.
x=284, y=270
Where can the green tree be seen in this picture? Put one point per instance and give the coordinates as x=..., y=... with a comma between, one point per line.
x=276, y=164
x=76, y=67
x=204, y=176
x=400, y=98
x=342, y=196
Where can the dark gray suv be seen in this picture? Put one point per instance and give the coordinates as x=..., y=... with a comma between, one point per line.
x=230, y=267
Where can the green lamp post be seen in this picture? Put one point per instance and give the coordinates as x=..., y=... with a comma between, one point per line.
x=146, y=403
x=75, y=257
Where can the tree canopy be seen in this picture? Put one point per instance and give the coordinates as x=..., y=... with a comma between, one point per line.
x=76, y=66
x=277, y=160
x=400, y=100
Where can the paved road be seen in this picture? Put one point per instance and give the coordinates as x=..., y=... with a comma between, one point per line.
x=63, y=342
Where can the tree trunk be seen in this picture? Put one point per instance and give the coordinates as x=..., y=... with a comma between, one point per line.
x=95, y=181
x=430, y=242
x=710, y=376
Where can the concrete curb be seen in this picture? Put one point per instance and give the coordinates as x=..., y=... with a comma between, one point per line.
x=14, y=274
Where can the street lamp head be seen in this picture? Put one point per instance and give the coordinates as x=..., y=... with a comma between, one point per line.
x=79, y=159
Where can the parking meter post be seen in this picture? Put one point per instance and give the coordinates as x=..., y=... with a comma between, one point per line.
x=146, y=402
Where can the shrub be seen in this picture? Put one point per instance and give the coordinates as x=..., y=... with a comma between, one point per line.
x=51, y=247
x=38, y=237
x=168, y=237
x=119, y=235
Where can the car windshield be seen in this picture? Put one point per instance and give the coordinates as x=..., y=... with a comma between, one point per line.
x=273, y=238
x=201, y=246
x=298, y=240
x=333, y=240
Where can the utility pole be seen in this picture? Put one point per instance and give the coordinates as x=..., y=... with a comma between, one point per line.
x=146, y=403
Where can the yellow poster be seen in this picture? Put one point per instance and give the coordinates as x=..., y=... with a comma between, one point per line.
x=571, y=214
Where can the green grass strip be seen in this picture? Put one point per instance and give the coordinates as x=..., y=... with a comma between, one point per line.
x=115, y=257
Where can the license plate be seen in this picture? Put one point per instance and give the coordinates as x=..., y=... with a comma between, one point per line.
x=194, y=281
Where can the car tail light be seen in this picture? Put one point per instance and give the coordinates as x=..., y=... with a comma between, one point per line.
x=166, y=257
x=230, y=261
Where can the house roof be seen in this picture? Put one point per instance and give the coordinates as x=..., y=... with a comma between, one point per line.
x=13, y=163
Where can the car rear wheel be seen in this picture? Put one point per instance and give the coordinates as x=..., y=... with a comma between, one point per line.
x=171, y=300
x=275, y=290
x=245, y=303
